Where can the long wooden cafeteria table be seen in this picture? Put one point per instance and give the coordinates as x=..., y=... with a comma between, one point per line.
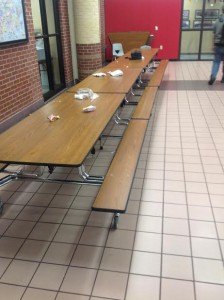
x=132, y=69
x=64, y=142
x=126, y=61
x=109, y=84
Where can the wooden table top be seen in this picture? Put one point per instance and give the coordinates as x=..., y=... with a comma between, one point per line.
x=109, y=84
x=64, y=142
x=125, y=61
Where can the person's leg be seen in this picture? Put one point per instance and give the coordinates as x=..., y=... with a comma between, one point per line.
x=222, y=80
x=215, y=65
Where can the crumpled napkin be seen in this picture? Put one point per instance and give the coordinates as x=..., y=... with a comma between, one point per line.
x=53, y=117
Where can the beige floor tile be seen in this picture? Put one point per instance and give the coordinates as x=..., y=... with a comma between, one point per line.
x=84, y=203
x=122, y=239
x=11, y=211
x=29, y=186
x=31, y=213
x=174, y=185
x=94, y=236
x=203, y=229
x=175, y=226
x=4, y=262
x=200, y=213
x=116, y=260
x=220, y=229
x=209, y=291
x=39, y=199
x=20, y=229
x=76, y=217
x=110, y=285
x=152, y=195
x=68, y=233
x=132, y=207
x=11, y=292
x=208, y=270
x=149, y=224
x=217, y=200
x=177, y=245
x=10, y=246
x=175, y=211
x=198, y=199
x=48, y=277
x=32, y=250
x=21, y=198
x=205, y=248
x=127, y=221
x=16, y=268
x=219, y=214
x=66, y=296
x=79, y=280
x=143, y=287
x=59, y=253
x=150, y=208
x=4, y=224
x=44, y=231
x=144, y=263
x=36, y=294
x=87, y=256
x=53, y=215
x=100, y=219
x=145, y=241
x=68, y=189
x=173, y=197
x=177, y=289
x=178, y=267
x=49, y=188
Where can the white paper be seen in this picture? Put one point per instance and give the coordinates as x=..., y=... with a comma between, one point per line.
x=116, y=73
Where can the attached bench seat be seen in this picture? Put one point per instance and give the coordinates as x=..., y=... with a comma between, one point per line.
x=114, y=191
x=158, y=74
x=145, y=104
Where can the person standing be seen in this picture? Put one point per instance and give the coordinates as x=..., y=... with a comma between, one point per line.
x=218, y=48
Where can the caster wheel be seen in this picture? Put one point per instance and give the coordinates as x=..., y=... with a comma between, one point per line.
x=51, y=169
x=115, y=221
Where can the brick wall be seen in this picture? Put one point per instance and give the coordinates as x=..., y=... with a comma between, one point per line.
x=89, y=59
x=19, y=75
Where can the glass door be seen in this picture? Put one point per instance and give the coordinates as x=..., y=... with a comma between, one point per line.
x=48, y=46
x=198, y=18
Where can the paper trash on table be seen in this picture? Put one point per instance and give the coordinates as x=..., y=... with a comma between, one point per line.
x=100, y=74
x=116, y=73
x=89, y=108
x=52, y=117
x=84, y=93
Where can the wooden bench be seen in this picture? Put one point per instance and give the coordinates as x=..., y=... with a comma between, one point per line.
x=145, y=104
x=114, y=191
x=158, y=74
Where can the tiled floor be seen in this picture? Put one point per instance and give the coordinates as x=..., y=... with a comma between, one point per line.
x=170, y=243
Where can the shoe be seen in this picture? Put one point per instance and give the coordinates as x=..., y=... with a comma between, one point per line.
x=211, y=81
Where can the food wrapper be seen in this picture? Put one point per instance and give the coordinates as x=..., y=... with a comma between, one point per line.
x=53, y=117
x=100, y=74
x=89, y=108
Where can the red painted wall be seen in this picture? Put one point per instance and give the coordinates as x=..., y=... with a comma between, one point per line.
x=130, y=15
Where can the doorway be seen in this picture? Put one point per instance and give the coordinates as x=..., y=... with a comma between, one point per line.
x=48, y=45
x=198, y=18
